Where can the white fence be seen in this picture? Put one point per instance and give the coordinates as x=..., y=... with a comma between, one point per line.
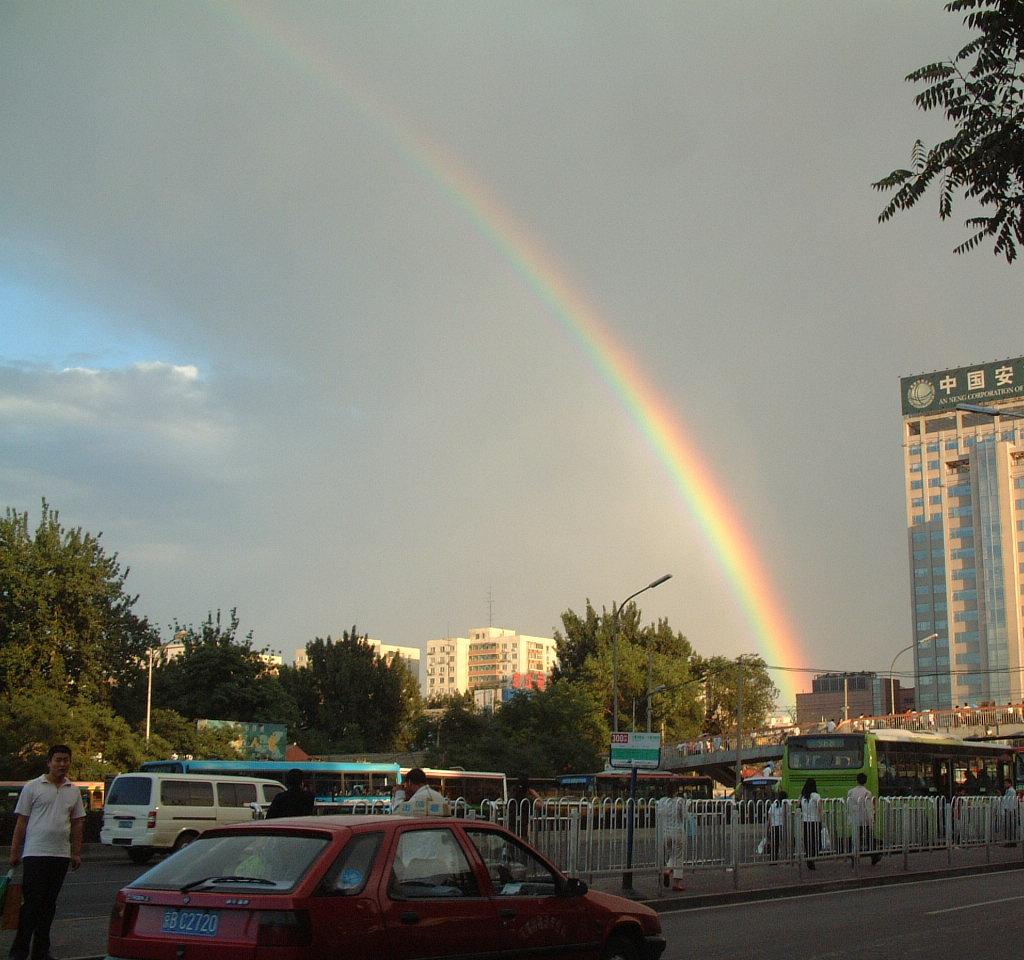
x=591, y=839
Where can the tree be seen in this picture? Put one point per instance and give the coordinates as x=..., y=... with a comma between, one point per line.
x=350, y=699
x=654, y=653
x=720, y=677
x=220, y=677
x=981, y=91
x=66, y=622
x=102, y=744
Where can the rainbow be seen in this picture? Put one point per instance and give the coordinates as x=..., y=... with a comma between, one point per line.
x=704, y=495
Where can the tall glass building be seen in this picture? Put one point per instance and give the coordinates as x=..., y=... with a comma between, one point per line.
x=964, y=486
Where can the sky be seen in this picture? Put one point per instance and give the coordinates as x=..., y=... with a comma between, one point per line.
x=424, y=317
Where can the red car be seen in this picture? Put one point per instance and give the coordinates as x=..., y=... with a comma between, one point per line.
x=373, y=887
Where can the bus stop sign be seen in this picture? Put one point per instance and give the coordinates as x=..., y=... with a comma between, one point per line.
x=642, y=750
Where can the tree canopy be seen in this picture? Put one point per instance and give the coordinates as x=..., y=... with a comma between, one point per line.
x=350, y=699
x=219, y=676
x=66, y=621
x=981, y=92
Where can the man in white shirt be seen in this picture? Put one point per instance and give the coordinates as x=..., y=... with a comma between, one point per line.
x=1011, y=813
x=860, y=802
x=47, y=840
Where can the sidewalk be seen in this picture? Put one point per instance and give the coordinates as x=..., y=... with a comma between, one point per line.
x=767, y=881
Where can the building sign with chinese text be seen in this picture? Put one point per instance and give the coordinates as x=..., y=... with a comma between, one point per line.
x=983, y=383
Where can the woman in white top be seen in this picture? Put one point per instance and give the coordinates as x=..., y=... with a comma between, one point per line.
x=810, y=808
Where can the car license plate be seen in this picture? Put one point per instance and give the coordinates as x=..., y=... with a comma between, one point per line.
x=192, y=923
x=124, y=824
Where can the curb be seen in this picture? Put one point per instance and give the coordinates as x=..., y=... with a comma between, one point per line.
x=673, y=904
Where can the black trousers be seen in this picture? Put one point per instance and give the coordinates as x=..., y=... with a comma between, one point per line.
x=42, y=878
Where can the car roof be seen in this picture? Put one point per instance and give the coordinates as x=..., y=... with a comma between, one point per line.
x=336, y=823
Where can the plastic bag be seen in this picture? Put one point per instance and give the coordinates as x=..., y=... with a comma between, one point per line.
x=11, y=902
x=826, y=840
x=762, y=846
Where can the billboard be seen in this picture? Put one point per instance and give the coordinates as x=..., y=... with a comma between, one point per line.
x=981, y=384
x=257, y=741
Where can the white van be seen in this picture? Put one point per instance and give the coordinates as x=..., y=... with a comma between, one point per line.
x=146, y=812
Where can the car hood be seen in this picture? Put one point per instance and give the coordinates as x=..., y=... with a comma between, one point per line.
x=622, y=905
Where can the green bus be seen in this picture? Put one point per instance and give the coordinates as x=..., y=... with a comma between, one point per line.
x=898, y=763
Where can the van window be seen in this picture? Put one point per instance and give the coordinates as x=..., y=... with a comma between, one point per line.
x=271, y=790
x=131, y=791
x=236, y=794
x=186, y=793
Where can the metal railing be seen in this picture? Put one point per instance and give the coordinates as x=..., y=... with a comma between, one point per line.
x=589, y=838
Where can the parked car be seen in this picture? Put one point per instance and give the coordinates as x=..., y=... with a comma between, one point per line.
x=371, y=887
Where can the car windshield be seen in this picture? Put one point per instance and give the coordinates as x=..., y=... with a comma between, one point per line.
x=269, y=862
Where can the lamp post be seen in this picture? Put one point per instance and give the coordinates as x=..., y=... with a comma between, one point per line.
x=615, y=646
x=892, y=681
x=149, y=691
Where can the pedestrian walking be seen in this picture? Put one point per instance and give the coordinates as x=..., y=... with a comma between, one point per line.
x=47, y=840
x=810, y=809
x=677, y=826
x=294, y=801
x=860, y=802
x=1011, y=813
x=777, y=825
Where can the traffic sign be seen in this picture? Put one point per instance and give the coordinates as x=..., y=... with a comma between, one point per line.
x=641, y=750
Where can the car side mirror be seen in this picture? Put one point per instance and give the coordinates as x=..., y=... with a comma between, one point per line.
x=574, y=887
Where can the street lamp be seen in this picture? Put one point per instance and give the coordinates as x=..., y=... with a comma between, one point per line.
x=149, y=690
x=615, y=646
x=892, y=681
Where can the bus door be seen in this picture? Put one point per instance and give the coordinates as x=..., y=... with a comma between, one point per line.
x=941, y=777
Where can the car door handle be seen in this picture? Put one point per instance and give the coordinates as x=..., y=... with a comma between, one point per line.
x=507, y=913
x=410, y=916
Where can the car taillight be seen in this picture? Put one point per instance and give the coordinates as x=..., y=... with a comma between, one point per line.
x=151, y=820
x=284, y=928
x=121, y=915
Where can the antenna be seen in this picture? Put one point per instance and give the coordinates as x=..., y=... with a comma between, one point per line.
x=490, y=607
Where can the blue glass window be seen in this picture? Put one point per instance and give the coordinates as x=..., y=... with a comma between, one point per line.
x=916, y=484
x=937, y=499
x=915, y=468
x=933, y=464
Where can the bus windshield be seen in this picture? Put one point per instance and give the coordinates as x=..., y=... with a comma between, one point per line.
x=826, y=753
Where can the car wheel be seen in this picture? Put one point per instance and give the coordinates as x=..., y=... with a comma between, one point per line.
x=140, y=855
x=184, y=840
x=620, y=948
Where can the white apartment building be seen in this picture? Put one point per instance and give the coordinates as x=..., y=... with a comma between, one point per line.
x=489, y=658
x=387, y=651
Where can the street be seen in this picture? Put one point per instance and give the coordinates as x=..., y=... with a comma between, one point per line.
x=976, y=914
x=80, y=929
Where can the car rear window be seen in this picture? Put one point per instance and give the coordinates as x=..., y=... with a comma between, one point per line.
x=131, y=791
x=258, y=863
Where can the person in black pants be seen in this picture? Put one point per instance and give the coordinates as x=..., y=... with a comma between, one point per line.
x=47, y=840
x=294, y=801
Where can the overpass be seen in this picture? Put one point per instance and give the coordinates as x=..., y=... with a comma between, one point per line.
x=716, y=757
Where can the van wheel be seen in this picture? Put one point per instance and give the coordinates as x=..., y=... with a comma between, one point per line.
x=184, y=840
x=620, y=948
x=140, y=855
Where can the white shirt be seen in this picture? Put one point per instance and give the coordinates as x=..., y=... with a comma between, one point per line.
x=861, y=802
x=811, y=808
x=50, y=810
x=1010, y=799
x=776, y=814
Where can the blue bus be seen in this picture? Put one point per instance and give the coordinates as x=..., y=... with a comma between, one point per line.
x=337, y=785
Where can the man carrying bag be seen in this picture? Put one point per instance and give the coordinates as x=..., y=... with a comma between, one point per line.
x=47, y=840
